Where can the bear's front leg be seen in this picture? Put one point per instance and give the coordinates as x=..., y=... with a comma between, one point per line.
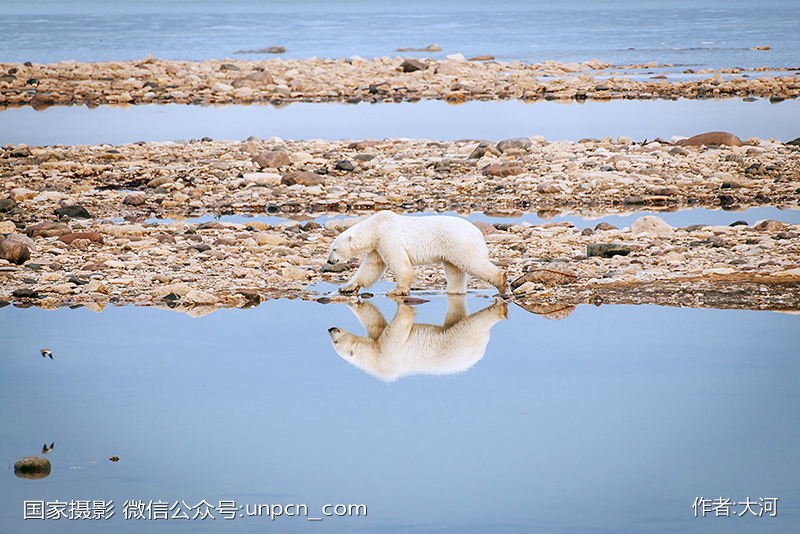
x=370, y=271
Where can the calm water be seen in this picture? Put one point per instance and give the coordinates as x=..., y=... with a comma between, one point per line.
x=613, y=419
x=422, y=120
x=716, y=33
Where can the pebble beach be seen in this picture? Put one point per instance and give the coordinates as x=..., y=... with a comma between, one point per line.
x=99, y=225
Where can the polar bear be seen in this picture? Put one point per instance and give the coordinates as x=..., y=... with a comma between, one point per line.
x=399, y=243
x=401, y=348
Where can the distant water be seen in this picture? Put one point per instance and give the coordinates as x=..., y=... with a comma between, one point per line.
x=717, y=33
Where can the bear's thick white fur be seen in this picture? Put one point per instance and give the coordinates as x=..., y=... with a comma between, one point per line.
x=400, y=242
x=401, y=348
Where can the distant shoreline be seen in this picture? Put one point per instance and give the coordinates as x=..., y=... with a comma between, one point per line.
x=276, y=81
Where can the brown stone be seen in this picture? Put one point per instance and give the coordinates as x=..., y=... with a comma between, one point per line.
x=502, y=170
x=255, y=78
x=134, y=200
x=555, y=273
x=485, y=227
x=16, y=253
x=412, y=65
x=94, y=237
x=47, y=229
x=303, y=178
x=711, y=138
x=32, y=467
x=273, y=158
x=769, y=225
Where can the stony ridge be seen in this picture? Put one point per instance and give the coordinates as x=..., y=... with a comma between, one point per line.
x=386, y=79
x=82, y=212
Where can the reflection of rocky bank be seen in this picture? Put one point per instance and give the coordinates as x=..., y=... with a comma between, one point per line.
x=402, y=347
x=277, y=81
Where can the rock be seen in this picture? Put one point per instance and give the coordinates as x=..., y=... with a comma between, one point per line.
x=7, y=227
x=522, y=143
x=273, y=158
x=294, y=273
x=220, y=87
x=134, y=199
x=32, y=468
x=502, y=170
x=446, y=69
x=484, y=57
x=13, y=252
x=94, y=237
x=196, y=297
x=255, y=78
x=96, y=286
x=412, y=65
x=25, y=293
x=262, y=178
x=485, y=147
x=553, y=273
x=305, y=178
x=76, y=211
x=161, y=180
x=548, y=188
x=769, y=225
x=429, y=48
x=267, y=50
x=652, y=226
x=344, y=165
x=485, y=227
x=607, y=250
x=270, y=238
x=337, y=268
x=7, y=205
x=603, y=226
x=711, y=138
x=793, y=142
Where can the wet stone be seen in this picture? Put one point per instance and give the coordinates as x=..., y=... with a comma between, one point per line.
x=607, y=250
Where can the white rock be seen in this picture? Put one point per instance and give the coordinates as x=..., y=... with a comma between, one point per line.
x=270, y=238
x=651, y=226
x=196, y=296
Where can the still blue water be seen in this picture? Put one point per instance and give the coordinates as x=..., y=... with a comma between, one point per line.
x=428, y=119
x=717, y=33
x=613, y=419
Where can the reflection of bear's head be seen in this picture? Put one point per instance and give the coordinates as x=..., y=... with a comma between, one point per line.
x=402, y=347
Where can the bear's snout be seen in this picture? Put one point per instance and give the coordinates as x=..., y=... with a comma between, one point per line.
x=333, y=330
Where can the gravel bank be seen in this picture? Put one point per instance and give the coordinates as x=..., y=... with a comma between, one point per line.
x=82, y=212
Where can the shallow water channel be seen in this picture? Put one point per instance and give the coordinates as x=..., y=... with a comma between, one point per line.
x=429, y=119
x=615, y=418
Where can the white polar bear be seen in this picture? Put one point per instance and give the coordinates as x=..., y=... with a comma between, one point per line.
x=402, y=348
x=400, y=242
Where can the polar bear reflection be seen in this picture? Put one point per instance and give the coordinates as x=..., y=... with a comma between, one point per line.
x=402, y=348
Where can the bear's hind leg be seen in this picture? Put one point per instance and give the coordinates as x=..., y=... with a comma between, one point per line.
x=456, y=279
x=487, y=272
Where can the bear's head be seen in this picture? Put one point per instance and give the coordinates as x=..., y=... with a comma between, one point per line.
x=343, y=248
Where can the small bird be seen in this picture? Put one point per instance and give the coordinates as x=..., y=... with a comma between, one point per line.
x=48, y=450
x=46, y=353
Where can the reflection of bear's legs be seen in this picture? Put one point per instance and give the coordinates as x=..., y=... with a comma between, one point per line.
x=456, y=310
x=370, y=271
x=456, y=278
x=404, y=274
x=370, y=318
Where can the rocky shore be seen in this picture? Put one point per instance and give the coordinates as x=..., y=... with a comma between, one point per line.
x=353, y=80
x=99, y=225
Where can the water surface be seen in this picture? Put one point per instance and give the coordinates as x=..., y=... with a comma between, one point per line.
x=633, y=412
x=430, y=119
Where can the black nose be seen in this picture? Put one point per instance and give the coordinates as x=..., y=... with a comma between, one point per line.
x=332, y=330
